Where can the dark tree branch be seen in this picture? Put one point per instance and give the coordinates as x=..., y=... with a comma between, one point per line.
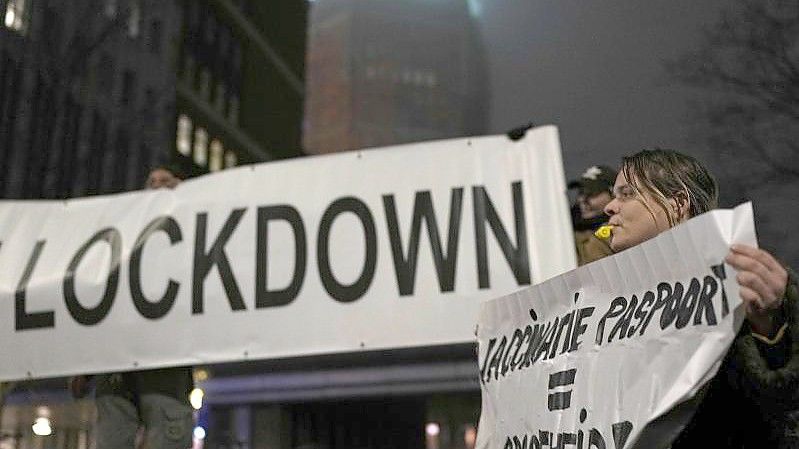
x=751, y=57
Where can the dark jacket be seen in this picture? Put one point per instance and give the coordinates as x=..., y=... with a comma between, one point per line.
x=174, y=382
x=589, y=248
x=753, y=402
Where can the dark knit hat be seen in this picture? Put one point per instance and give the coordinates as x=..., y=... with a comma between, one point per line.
x=594, y=180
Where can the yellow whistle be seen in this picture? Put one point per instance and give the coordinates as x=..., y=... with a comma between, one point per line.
x=604, y=232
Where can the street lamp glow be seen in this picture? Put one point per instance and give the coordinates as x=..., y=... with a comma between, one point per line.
x=41, y=427
x=199, y=433
x=10, y=18
x=432, y=429
x=196, y=398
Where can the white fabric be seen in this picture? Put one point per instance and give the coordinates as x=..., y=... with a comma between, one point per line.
x=518, y=187
x=624, y=375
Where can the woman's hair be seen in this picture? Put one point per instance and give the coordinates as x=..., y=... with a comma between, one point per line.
x=667, y=174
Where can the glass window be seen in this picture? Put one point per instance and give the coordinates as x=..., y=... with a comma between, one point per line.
x=220, y=96
x=233, y=112
x=53, y=24
x=236, y=57
x=128, y=88
x=17, y=14
x=134, y=19
x=184, y=135
x=188, y=70
x=215, y=158
x=201, y=147
x=149, y=98
x=155, y=37
x=224, y=41
x=110, y=8
x=193, y=15
x=210, y=29
x=230, y=159
x=205, y=83
x=105, y=73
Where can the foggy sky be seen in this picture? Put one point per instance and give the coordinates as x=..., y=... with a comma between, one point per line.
x=594, y=69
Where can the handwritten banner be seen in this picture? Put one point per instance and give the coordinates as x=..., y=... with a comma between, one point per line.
x=593, y=356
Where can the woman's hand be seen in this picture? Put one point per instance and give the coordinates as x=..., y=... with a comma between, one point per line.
x=763, y=281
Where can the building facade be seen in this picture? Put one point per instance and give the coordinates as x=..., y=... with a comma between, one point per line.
x=240, y=83
x=378, y=73
x=223, y=86
x=384, y=73
x=93, y=93
x=86, y=95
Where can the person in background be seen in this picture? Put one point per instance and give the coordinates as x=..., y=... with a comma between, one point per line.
x=164, y=176
x=594, y=188
x=752, y=401
x=143, y=408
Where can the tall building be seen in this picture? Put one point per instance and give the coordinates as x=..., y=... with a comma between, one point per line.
x=86, y=94
x=240, y=82
x=390, y=72
x=95, y=92
x=379, y=72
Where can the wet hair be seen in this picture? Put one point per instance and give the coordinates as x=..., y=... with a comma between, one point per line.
x=667, y=174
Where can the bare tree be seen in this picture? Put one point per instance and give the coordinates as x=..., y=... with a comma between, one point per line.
x=746, y=71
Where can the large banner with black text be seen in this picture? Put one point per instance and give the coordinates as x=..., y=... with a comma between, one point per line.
x=609, y=355
x=386, y=248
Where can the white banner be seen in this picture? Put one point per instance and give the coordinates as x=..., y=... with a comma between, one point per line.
x=377, y=249
x=590, y=357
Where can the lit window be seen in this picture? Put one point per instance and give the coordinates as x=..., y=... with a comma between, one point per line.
x=215, y=158
x=184, y=135
x=17, y=15
x=134, y=19
x=230, y=159
x=200, y=147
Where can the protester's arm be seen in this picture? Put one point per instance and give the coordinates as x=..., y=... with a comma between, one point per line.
x=769, y=373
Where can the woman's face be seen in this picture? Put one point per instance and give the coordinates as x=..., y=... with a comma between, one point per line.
x=632, y=222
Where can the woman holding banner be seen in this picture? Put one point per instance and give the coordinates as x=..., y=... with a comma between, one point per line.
x=753, y=402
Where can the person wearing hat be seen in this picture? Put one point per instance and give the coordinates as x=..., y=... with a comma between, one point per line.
x=594, y=192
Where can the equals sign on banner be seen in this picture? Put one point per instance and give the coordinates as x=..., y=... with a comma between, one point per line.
x=561, y=399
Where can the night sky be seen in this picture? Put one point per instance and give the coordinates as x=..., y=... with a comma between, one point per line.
x=595, y=69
